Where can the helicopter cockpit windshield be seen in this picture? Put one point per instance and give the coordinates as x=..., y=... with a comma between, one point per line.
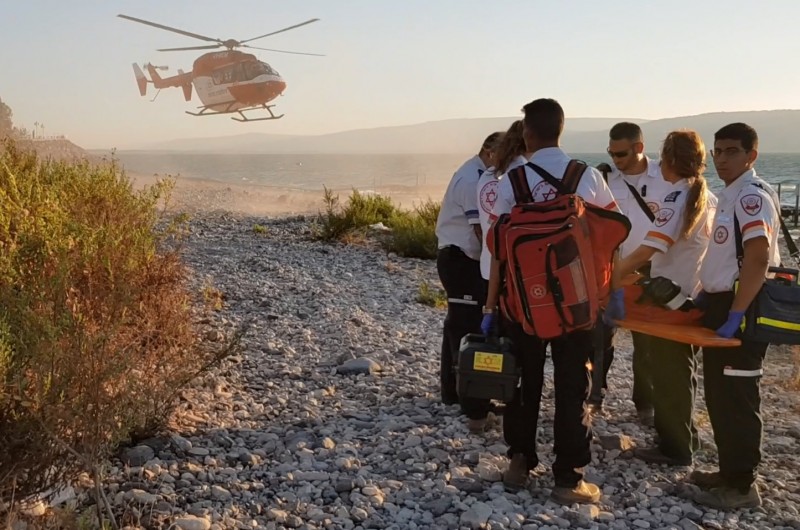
x=244, y=71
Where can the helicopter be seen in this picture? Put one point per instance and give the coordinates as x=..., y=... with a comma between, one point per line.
x=227, y=81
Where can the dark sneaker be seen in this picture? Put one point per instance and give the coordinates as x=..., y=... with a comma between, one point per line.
x=653, y=455
x=706, y=479
x=583, y=493
x=516, y=477
x=729, y=498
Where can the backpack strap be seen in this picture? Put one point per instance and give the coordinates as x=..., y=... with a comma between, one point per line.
x=519, y=184
x=547, y=177
x=643, y=205
x=605, y=169
x=572, y=175
x=569, y=182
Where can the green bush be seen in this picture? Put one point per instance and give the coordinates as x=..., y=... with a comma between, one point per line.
x=96, y=333
x=431, y=296
x=412, y=233
x=361, y=211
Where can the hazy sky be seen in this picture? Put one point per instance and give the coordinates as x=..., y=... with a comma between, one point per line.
x=67, y=64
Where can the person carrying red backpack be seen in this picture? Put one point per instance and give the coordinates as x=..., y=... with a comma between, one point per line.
x=569, y=284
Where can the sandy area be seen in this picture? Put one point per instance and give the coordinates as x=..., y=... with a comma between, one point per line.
x=193, y=195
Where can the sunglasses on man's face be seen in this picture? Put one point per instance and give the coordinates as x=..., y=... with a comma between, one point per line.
x=618, y=154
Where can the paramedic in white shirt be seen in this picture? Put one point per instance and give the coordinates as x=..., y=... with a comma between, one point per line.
x=732, y=376
x=636, y=183
x=676, y=245
x=510, y=153
x=543, y=124
x=459, y=240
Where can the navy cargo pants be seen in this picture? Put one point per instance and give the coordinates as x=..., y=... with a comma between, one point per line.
x=733, y=398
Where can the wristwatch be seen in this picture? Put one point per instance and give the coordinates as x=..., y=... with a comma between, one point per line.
x=489, y=310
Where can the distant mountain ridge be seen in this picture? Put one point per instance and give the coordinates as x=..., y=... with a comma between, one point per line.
x=777, y=129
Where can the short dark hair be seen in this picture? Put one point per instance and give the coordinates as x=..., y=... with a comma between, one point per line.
x=626, y=130
x=491, y=141
x=545, y=118
x=739, y=131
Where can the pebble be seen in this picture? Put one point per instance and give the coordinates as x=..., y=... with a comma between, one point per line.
x=328, y=415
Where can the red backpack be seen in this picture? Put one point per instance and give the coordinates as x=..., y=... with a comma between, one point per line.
x=555, y=256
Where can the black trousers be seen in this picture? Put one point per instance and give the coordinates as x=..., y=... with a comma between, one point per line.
x=571, y=425
x=466, y=293
x=642, y=371
x=674, y=379
x=733, y=397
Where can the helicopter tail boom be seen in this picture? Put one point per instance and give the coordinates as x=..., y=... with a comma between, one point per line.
x=182, y=80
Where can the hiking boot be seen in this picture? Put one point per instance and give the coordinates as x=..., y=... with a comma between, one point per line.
x=726, y=498
x=706, y=479
x=516, y=476
x=647, y=417
x=653, y=455
x=476, y=426
x=583, y=493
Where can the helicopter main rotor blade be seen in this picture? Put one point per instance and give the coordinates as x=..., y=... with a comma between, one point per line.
x=280, y=30
x=174, y=30
x=281, y=51
x=210, y=47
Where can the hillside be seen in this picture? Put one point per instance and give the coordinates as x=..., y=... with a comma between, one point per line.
x=56, y=149
x=445, y=136
x=777, y=130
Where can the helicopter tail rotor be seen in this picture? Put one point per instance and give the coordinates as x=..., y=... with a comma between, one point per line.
x=141, y=80
x=187, y=88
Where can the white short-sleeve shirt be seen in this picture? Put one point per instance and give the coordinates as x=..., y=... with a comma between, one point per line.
x=592, y=187
x=651, y=186
x=679, y=258
x=487, y=195
x=459, y=210
x=754, y=203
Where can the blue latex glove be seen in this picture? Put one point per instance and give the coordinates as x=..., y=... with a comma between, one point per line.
x=701, y=300
x=729, y=328
x=615, y=310
x=487, y=324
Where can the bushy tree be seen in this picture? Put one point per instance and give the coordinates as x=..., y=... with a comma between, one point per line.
x=6, y=125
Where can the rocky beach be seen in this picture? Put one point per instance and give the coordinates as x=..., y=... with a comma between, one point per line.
x=329, y=415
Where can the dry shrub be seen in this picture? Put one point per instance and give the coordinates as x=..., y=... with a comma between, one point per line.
x=96, y=333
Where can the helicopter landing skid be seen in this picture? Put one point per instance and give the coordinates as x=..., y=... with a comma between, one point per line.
x=205, y=111
x=268, y=109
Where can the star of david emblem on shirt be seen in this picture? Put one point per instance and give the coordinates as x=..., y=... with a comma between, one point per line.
x=549, y=194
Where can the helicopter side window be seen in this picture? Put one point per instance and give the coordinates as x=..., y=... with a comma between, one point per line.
x=223, y=75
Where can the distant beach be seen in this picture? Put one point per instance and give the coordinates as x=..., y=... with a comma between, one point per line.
x=197, y=195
